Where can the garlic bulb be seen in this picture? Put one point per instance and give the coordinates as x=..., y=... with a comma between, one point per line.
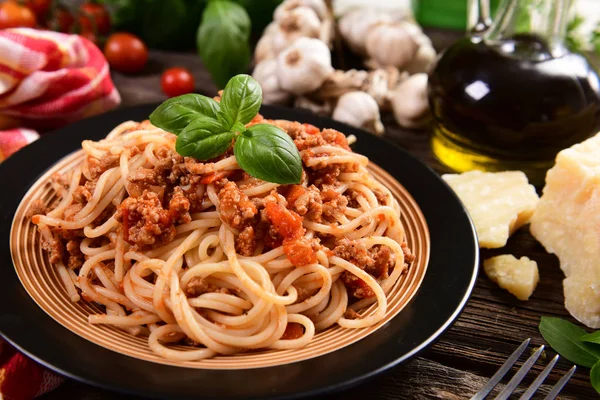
x=298, y=22
x=317, y=108
x=266, y=76
x=355, y=25
x=422, y=61
x=318, y=6
x=359, y=109
x=415, y=32
x=304, y=66
x=390, y=45
x=409, y=102
x=264, y=48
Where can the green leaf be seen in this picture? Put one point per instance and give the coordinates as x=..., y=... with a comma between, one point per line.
x=223, y=40
x=203, y=139
x=238, y=127
x=225, y=120
x=595, y=376
x=564, y=337
x=591, y=337
x=241, y=98
x=175, y=114
x=268, y=153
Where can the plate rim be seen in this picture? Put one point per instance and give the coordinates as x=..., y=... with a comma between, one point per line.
x=322, y=389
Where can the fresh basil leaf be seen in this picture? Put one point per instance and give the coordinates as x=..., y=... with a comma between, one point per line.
x=241, y=98
x=225, y=120
x=591, y=337
x=595, y=376
x=238, y=127
x=175, y=114
x=268, y=153
x=223, y=40
x=203, y=139
x=564, y=337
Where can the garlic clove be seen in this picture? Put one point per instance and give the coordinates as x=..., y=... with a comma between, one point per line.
x=390, y=44
x=359, y=109
x=355, y=25
x=295, y=23
x=318, y=6
x=379, y=84
x=304, y=66
x=410, y=103
x=264, y=49
x=266, y=76
x=423, y=60
x=270, y=29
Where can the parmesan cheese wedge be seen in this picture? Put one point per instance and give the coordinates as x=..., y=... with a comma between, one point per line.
x=519, y=277
x=567, y=223
x=499, y=202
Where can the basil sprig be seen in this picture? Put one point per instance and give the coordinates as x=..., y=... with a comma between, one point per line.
x=205, y=129
x=574, y=344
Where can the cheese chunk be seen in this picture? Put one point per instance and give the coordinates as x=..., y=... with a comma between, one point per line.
x=567, y=223
x=519, y=277
x=499, y=202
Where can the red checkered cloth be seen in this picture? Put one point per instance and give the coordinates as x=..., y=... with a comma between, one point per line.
x=48, y=79
x=13, y=139
x=21, y=378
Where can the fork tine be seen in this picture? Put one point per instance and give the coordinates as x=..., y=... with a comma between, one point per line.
x=501, y=372
x=539, y=380
x=560, y=384
x=514, y=382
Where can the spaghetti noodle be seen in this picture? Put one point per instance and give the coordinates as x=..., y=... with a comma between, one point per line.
x=204, y=254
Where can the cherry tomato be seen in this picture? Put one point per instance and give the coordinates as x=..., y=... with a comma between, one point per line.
x=13, y=15
x=39, y=7
x=177, y=81
x=94, y=16
x=126, y=52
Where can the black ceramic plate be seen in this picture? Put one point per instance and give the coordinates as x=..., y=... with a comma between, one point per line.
x=444, y=292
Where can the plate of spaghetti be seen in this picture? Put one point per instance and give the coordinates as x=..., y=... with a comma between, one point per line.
x=139, y=269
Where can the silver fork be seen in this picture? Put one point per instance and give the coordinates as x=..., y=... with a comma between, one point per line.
x=520, y=374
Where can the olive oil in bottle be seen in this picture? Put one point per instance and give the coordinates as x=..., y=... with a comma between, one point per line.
x=511, y=101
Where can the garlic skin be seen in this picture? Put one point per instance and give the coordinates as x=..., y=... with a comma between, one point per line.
x=318, y=6
x=390, y=45
x=297, y=22
x=379, y=84
x=410, y=103
x=355, y=25
x=266, y=76
x=264, y=48
x=304, y=66
x=423, y=60
x=359, y=109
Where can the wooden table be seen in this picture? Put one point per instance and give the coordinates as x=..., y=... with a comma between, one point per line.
x=492, y=325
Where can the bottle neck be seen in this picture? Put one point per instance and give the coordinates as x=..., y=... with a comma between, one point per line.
x=545, y=19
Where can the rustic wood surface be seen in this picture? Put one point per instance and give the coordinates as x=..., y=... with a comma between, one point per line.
x=492, y=325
